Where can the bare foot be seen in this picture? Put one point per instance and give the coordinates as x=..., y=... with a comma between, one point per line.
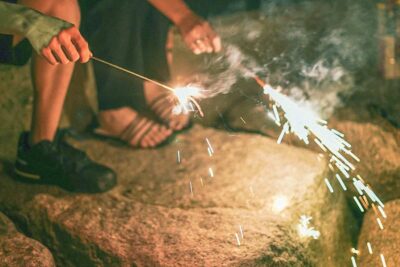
x=126, y=124
x=162, y=103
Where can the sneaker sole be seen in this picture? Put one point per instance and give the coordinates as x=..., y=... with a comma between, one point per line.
x=22, y=174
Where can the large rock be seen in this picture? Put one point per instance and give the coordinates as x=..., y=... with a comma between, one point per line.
x=19, y=250
x=378, y=148
x=153, y=219
x=385, y=242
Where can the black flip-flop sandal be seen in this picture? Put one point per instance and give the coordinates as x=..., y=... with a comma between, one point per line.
x=133, y=130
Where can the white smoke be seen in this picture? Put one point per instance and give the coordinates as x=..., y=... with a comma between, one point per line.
x=309, y=49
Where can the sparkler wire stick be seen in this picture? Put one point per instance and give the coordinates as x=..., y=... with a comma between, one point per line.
x=132, y=73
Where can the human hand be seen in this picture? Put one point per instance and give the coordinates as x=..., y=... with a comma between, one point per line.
x=199, y=35
x=58, y=41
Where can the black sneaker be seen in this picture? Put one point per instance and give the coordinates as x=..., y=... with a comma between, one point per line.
x=59, y=163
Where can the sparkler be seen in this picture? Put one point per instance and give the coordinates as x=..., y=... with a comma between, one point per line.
x=184, y=95
x=303, y=123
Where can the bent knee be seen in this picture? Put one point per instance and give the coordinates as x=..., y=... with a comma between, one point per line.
x=67, y=10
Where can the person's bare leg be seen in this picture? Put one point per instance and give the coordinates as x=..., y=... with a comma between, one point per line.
x=50, y=82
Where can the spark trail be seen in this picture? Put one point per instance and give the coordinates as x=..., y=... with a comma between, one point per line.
x=306, y=125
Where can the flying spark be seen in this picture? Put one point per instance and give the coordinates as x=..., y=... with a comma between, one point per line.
x=241, y=231
x=328, y=184
x=210, y=172
x=358, y=204
x=382, y=212
x=353, y=261
x=305, y=230
x=209, y=146
x=369, y=247
x=191, y=188
x=383, y=260
x=379, y=223
x=237, y=239
x=341, y=182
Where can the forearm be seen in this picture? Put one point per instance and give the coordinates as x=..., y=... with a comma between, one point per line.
x=175, y=10
x=17, y=19
x=37, y=27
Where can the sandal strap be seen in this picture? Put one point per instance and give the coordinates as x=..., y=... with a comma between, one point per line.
x=137, y=130
x=130, y=129
x=162, y=106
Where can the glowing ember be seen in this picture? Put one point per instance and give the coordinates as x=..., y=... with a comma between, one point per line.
x=305, y=230
x=186, y=99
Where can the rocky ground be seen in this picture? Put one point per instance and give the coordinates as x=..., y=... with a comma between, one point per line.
x=154, y=218
x=19, y=250
x=165, y=213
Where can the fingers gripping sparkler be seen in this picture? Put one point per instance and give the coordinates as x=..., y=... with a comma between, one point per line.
x=185, y=96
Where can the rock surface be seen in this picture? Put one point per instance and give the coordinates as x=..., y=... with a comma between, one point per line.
x=385, y=242
x=19, y=250
x=153, y=219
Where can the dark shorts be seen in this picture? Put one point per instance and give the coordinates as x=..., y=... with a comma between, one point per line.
x=18, y=55
x=131, y=34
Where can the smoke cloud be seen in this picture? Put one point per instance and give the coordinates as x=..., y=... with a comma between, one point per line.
x=313, y=50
